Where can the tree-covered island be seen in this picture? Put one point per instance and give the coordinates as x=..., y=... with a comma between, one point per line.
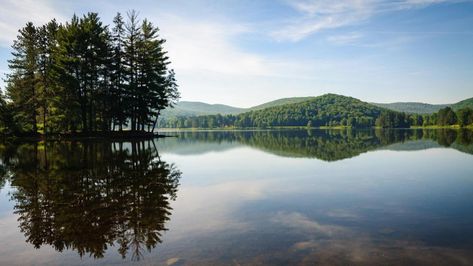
x=85, y=77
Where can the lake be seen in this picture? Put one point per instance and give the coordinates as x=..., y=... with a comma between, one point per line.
x=267, y=197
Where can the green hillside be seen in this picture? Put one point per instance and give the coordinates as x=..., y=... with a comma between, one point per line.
x=325, y=110
x=189, y=109
x=463, y=104
x=412, y=107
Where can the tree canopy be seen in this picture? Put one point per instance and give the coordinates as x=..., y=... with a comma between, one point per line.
x=85, y=76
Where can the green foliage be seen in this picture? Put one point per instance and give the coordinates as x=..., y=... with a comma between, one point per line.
x=468, y=103
x=22, y=82
x=388, y=119
x=7, y=123
x=446, y=117
x=328, y=110
x=325, y=110
x=82, y=76
x=465, y=116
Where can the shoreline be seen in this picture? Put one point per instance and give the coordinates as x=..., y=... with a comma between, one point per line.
x=126, y=135
x=455, y=127
x=116, y=135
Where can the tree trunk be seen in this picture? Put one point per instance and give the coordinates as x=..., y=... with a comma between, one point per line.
x=156, y=120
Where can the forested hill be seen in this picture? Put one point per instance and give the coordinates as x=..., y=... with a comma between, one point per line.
x=325, y=110
x=467, y=103
x=189, y=109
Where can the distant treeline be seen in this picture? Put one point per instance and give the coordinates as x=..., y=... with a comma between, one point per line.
x=327, y=110
x=84, y=76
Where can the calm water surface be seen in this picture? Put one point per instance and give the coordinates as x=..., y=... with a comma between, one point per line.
x=293, y=197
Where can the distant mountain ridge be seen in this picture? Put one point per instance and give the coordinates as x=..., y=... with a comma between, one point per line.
x=191, y=108
x=412, y=107
x=423, y=108
x=186, y=109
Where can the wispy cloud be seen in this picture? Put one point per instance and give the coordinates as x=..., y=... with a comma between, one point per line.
x=344, y=39
x=15, y=14
x=209, y=46
x=317, y=15
x=301, y=222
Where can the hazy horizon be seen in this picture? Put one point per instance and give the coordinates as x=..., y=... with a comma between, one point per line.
x=304, y=96
x=244, y=53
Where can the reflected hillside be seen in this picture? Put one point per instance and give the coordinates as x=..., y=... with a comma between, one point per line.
x=89, y=196
x=332, y=145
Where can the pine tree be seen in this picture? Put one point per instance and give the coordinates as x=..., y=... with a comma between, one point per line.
x=47, y=42
x=69, y=59
x=82, y=77
x=118, y=79
x=131, y=67
x=22, y=82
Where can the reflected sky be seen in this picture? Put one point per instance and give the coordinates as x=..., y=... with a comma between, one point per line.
x=405, y=201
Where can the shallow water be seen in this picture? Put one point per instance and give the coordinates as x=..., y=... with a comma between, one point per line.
x=284, y=197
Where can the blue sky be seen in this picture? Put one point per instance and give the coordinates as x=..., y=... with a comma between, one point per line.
x=243, y=52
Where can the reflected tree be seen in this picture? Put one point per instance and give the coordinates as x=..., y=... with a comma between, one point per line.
x=88, y=196
x=331, y=145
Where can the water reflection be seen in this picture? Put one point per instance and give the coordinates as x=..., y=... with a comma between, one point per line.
x=88, y=196
x=112, y=200
x=327, y=145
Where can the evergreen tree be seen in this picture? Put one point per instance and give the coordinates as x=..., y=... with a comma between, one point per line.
x=118, y=79
x=22, y=86
x=81, y=76
x=47, y=43
x=131, y=67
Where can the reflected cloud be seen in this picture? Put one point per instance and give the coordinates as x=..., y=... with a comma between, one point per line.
x=371, y=251
x=343, y=214
x=211, y=208
x=299, y=221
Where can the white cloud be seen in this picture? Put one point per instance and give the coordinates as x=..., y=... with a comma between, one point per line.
x=209, y=46
x=344, y=39
x=317, y=15
x=301, y=222
x=15, y=14
x=210, y=62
